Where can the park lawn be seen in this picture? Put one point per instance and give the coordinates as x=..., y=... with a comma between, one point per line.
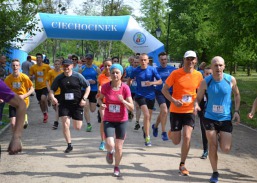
x=5, y=118
x=248, y=92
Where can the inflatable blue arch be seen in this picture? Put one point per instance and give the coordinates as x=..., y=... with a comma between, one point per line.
x=118, y=28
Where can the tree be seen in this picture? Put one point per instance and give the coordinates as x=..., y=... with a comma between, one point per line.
x=16, y=19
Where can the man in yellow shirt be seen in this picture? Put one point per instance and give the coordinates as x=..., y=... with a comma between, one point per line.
x=39, y=71
x=22, y=85
x=51, y=75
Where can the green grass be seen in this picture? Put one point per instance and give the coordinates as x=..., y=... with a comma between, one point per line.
x=5, y=116
x=248, y=92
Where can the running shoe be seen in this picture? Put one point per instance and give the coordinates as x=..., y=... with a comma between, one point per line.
x=169, y=134
x=69, y=149
x=214, y=178
x=164, y=136
x=55, y=125
x=204, y=155
x=143, y=131
x=183, y=170
x=116, y=171
x=109, y=158
x=26, y=123
x=155, y=131
x=89, y=127
x=45, y=117
x=148, y=142
x=102, y=146
x=137, y=126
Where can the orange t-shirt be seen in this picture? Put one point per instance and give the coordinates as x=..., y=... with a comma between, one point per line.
x=102, y=79
x=51, y=75
x=184, y=89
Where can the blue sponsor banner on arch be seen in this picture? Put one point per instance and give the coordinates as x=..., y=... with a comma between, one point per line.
x=84, y=27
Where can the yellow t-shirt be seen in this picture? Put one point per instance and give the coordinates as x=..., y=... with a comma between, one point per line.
x=20, y=85
x=51, y=75
x=40, y=73
x=184, y=89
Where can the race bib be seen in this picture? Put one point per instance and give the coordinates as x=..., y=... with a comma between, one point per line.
x=40, y=80
x=187, y=98
x=114, y=108
x=143, y=84
x=40, y=73
x=217, y=109
x=16, y=85
x=69, y=96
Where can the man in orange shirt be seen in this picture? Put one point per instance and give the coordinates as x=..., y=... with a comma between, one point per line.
x=185, y=81
x=39, y=71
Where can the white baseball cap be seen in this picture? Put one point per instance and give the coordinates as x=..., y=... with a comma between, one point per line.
x=190, y=54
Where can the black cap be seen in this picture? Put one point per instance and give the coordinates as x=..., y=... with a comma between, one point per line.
x=89, y=56
x=67, y=62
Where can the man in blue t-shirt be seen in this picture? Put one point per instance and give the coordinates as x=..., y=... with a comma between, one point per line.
x=218, y=116
x=164, y=71
x=146, y=77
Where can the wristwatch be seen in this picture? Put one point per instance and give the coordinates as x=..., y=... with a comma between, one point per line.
x=84, y=98
x=237, y=111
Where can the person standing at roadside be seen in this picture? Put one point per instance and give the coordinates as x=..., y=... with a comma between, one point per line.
x=164, y=71
x=117, y=101
x=22, y=85
x=3, y=74
x=51, y=75
x=145, y=96
x=218, y=115
x=39, y=71
x=185, y=82
x=71, y=100
x=90, y=72
x=26, y=65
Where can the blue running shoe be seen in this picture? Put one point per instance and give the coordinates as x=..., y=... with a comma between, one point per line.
x=148, y=142
x=102, y=146
x=214, y=178
x=164, y=136
x=204, y=155
x=155, y=131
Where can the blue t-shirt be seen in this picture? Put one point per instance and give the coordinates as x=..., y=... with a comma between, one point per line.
x=129, y=70
x=142, y=75
x=164, y=72
x=90, y=73
x=219, y=103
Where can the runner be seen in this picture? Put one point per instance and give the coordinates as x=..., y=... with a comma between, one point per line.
x=185, y=81
x=22, y=85
x=218, y=115
x=103, y=78
x=39, y=71
x=145, y=96
x=164, y=70
x=51, y=75
x=90, y=72
x=71, y=101
x=7, y=95
x=117, y=101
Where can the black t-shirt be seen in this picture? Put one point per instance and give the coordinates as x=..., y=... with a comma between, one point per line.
x=71, y=86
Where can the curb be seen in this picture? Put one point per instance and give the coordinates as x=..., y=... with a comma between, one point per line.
x=4, y=129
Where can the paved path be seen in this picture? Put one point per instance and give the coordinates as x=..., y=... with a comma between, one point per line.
x=43, y=160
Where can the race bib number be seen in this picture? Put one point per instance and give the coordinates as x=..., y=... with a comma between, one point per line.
x=114, y=108
x=187, y=98
x=69, y=96
x=217, y=109
x=143, y=84
x=40, y=80
x=40, y=73
x=134, y=83
x=16, y=85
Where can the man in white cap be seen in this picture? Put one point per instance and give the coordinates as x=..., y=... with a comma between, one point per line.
x=184, y=81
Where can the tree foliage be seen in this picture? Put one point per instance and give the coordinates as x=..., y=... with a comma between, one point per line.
x=16, y=18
